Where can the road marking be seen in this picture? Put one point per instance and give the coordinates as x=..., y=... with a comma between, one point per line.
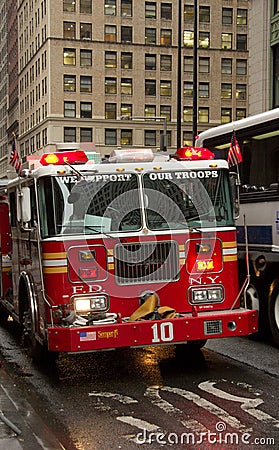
x=153, y=394
x=247, y=404
x=139, y=423
x=120, y=398
x=210, y=407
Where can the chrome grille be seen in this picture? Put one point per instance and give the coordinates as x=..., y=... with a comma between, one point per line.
x=146, y=262
x=212, y=327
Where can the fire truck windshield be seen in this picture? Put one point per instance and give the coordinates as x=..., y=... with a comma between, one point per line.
x=125, y=202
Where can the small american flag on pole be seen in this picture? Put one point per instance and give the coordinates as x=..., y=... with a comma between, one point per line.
x=234, y=155
x=15, y=160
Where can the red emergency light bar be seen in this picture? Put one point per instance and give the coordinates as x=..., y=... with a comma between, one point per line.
x=60, y=158
x=193, y=153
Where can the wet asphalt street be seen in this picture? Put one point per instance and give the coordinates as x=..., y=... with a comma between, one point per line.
x=224, y=396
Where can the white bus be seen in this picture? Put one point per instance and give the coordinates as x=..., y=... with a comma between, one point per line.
x=258, y=139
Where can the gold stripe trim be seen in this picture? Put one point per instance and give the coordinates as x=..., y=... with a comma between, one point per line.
x=229, y=244
x=110, y=251
x=61, y=255
x=230, y=258
x=55, y=269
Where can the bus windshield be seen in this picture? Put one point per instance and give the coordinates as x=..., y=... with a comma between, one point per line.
x=105, y=203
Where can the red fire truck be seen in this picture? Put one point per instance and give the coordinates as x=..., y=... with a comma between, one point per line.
x=139, y=249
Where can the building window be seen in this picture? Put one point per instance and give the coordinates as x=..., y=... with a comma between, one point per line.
x=226, y=66
x=69, y=6
x=165, y=111
x=110, y=7
x=126, y=137
x=203, y=90
x=86, y=31
x=110, y=110
x=126, y=60
x=110, y=86
x=150, y=87
x=187, y=139
x=126, y=35
x=188, y=89
x=188, y=38
x=166, y=37
x=241, y=67
x=204, y=14
x=86, y=110
x=110, y=60
x=166, y=63
x=86, y=6
x=204, y=39
x=44, y=138
x=150, y=138
x=226, y=41
x=70, y=134
x=85, y=84
x=275, y=77
x=241, y=92
x=69, y=83
x=110, y=33
x=188, y=114
x=204, y=65
x=126, y=8
x=227, y=16
x=226, y=115
x=241, y=42
x=69, y=30
x=226, y=90
x=69, y=109
x=150, y=111
x=241, y=16
x=188, y=64
x=166, y=11
x=86, y=58
x=150, y=10
x=126, y=86
x=86, y=135
x=240, y=113
x=126, y=110
x=150, y=36
x=165, y=88
x=150, y=62
x=203, y=115
x=110, y=136
x=188, y=13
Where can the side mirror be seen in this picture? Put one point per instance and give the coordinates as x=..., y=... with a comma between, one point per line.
x=24, y=206
x=235, y=184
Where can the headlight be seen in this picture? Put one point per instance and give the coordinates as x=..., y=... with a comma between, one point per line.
x=199, y=296
x=87, y=304
x=215, y=294
x=209, y=295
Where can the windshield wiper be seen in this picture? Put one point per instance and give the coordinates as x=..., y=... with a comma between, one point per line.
x=102, y=232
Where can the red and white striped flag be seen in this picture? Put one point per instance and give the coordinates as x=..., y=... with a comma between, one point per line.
x=234, y=155
x=15, y=160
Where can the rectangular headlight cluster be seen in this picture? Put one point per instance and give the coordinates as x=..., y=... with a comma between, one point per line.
x=209, y=295
x=87, y=304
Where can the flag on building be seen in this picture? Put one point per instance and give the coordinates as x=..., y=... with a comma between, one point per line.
x=234, y=155
x=15, y=160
